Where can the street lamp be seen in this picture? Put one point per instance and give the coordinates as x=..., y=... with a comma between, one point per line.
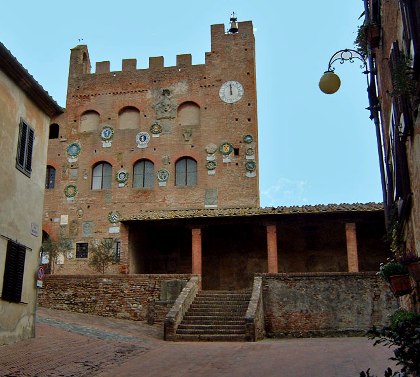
x=330, y=82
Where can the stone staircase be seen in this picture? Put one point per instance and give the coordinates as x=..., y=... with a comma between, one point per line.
x=215, y=316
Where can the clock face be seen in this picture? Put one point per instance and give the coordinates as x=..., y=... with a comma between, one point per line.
x=231, y=91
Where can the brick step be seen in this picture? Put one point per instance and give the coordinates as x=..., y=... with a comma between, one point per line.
x=214, y=300
x=218, y=304
x=215, y=316
x=210, y=331
x=211, y=327
x=239, y=296
x=215, y=313
x=211, y=337
x=212, y=321
x=207, y=316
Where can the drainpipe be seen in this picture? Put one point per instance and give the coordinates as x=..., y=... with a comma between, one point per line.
x=374, y=107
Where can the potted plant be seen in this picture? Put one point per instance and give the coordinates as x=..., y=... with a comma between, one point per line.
x=396, y=274
x=412, y=261
x=368, y=34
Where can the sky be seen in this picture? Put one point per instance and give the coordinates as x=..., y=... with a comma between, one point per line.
x=313, y=148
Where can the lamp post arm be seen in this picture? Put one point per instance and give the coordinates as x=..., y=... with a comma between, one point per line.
x=346, y=55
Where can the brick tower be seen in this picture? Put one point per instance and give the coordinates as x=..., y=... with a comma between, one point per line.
x=182, y=137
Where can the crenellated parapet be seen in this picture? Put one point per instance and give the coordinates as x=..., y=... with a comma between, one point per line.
x=80, y=63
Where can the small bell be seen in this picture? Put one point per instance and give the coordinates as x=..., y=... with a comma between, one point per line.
x=233, y=24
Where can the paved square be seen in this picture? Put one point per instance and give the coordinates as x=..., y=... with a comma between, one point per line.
x=71, y=344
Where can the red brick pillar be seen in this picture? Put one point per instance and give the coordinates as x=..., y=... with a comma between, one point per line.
x=124, y=250
x=272, y=248
x=196, y=251
x=352, y=257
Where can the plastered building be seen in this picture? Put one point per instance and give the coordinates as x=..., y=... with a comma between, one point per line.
x=25, y=115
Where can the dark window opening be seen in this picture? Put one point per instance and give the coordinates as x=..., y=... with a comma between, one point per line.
x=117, y=250
x=13, y=272
x=50, y=177
x=82, y=250
x=54, y=131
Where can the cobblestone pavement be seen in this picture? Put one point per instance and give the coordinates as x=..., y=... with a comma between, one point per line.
x=71, y=344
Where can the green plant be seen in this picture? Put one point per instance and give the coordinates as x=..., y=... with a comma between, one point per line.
x=53, y=248
x=102, y=254
x=361, y=41
x=404, y=335
x=388, y=373
x=391, y=268
x=402, y=315
x=402, y=77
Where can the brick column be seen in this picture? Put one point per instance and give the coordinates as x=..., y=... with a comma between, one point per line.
x=196, y=251
x=272, y=248
x=124, y=250
x=352, y=257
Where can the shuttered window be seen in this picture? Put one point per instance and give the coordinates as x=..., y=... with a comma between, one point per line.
x=13, y=272
x=186, y=172
x=144, y=174
x=102, y=176
x=25, y=148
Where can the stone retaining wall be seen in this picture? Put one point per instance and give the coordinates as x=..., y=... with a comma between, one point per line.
x=324, y=304
x=136, y=297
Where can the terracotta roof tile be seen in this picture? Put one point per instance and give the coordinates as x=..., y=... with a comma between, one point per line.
x=241, y=212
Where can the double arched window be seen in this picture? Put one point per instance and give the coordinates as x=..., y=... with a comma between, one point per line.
x=102, y=176
x=143, y=173
x=186, y=172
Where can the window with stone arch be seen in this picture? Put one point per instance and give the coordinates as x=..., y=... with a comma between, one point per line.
x=186, y=172
x=143, y=174
x=189, y=114
x=129, y=118
x=101, y=176
x=89, y=121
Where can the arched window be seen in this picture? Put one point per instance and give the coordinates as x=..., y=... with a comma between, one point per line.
x=189, y=114
x=143, y=173
x=129, y=118
x=186, y=172
x=89, y=121
x=54, y=131
x=101, y=176
x=50, y=177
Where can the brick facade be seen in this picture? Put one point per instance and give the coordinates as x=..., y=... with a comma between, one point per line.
x=183, y=115
x=145, y=298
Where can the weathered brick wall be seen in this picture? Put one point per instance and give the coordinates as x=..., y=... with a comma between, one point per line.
x=136, y=297
x=108, y=94
x=320, y=304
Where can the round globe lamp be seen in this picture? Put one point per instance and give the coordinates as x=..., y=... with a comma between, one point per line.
x=329, y=82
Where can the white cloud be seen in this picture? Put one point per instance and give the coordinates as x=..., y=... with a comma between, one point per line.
x=285, y=192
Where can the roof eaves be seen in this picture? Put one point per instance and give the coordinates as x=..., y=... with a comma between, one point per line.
x=12, y=68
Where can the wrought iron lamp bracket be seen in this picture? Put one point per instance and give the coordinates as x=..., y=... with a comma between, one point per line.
x=347, y=55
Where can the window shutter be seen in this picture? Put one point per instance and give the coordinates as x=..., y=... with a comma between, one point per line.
x=22, y=144
x=28, y=165
x=13, y=272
